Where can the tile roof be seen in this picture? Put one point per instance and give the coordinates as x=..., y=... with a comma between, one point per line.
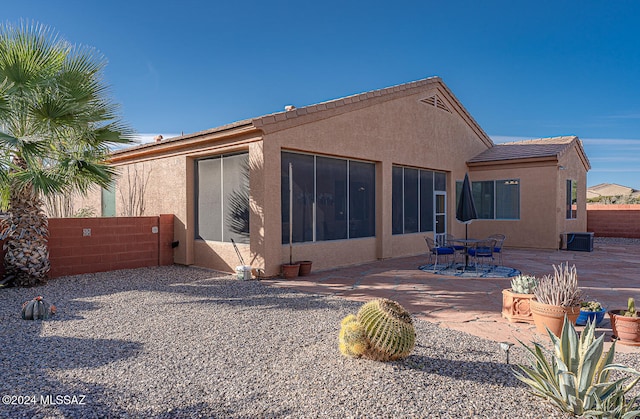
x=280, y=119
x=527, y=149
x=227, y=127
x=339, y=102
x=264, y=122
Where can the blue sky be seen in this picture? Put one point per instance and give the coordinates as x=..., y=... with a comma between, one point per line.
x=522, y=69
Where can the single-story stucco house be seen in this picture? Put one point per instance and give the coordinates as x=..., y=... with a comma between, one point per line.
x=373, y=174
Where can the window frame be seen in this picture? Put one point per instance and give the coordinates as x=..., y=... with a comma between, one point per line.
x=571, y=199
x=225, y=236
x=436, y=178
x=351, y=229
x=494, y=203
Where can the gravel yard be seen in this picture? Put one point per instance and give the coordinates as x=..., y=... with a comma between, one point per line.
x=185, y=342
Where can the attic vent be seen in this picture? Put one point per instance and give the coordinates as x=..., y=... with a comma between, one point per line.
x=437, y=102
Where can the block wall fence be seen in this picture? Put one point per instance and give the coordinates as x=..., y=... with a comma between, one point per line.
x=618, y=220
x=130, y=242
x=87, y=245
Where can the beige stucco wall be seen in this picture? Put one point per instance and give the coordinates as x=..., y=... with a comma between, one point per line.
x=170, y=190
x=542, y=201
x=570, y=167
x=91, y=201
x=397, y=129
x=402, y=131
x=393, y=129
x=536, y=227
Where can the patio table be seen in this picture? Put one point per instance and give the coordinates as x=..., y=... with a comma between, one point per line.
x=466, y=243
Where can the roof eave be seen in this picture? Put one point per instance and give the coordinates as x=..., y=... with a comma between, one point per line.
x=484, y=163
x=171, y=145
x=583, y=155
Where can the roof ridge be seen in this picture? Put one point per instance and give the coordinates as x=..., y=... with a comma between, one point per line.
x=271, y=119
x=547, y=140
x=340, y=101
x=540, y=148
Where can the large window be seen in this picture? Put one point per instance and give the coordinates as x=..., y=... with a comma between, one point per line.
x=222, y=198
x=412, y=198
x=333, y=198
x=495, y=199
x=572, y=199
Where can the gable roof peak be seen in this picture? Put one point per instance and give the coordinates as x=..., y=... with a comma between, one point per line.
x=536, y=149
x=300, y=115
x=565, y=139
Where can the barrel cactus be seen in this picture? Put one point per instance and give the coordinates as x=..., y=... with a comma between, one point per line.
x=37, y=309
x=382, y=331
x=524, y=284
x=353, y=341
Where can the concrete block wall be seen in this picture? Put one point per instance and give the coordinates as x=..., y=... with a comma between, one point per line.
x=87, y=245
x=620, y=220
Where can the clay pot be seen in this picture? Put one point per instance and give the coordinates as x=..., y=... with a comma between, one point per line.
x=552, y=317
x=290, y=270
x=305, y=267
x=591, y=316
x=516, y=307
x=626, y=329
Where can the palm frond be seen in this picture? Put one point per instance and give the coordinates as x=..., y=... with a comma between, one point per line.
x=55, y=111
x=43, y=181
x=30, y=51
x=22, y=146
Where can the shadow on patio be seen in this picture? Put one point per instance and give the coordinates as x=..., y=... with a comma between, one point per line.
x=609, y=274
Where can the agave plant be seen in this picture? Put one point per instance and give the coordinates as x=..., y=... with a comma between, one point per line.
x=576, y=378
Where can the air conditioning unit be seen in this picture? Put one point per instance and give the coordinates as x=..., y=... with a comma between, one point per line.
x=582, y=242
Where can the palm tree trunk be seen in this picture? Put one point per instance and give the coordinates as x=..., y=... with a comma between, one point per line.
x=26, y=231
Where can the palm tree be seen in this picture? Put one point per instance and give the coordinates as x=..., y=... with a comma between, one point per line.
x=56, y=127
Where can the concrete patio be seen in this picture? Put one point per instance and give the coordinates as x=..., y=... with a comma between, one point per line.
x=609, y=274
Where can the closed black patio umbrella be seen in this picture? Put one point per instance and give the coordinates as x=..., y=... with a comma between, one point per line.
x=466, y=211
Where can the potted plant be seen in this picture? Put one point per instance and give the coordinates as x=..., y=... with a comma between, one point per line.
x=516, y=301
x=290, y=270
x=305, y=267
x=590, y=311
x=557, y=296
x=626, y=324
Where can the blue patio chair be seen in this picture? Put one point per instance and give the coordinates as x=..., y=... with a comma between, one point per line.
x=482, y=250
x=437, y=250
x=499, y=238
x=451, y=242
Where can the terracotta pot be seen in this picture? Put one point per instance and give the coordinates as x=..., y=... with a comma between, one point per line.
x=290, y=270
x=626, y=329
x=552, y=317
x=516, y=307
x=305, y=267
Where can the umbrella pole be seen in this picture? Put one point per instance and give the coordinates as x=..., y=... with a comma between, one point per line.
x=290, y=214
x=466, y=252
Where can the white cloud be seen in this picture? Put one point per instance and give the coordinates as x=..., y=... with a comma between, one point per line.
x=624, y=116
x=612, y=141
